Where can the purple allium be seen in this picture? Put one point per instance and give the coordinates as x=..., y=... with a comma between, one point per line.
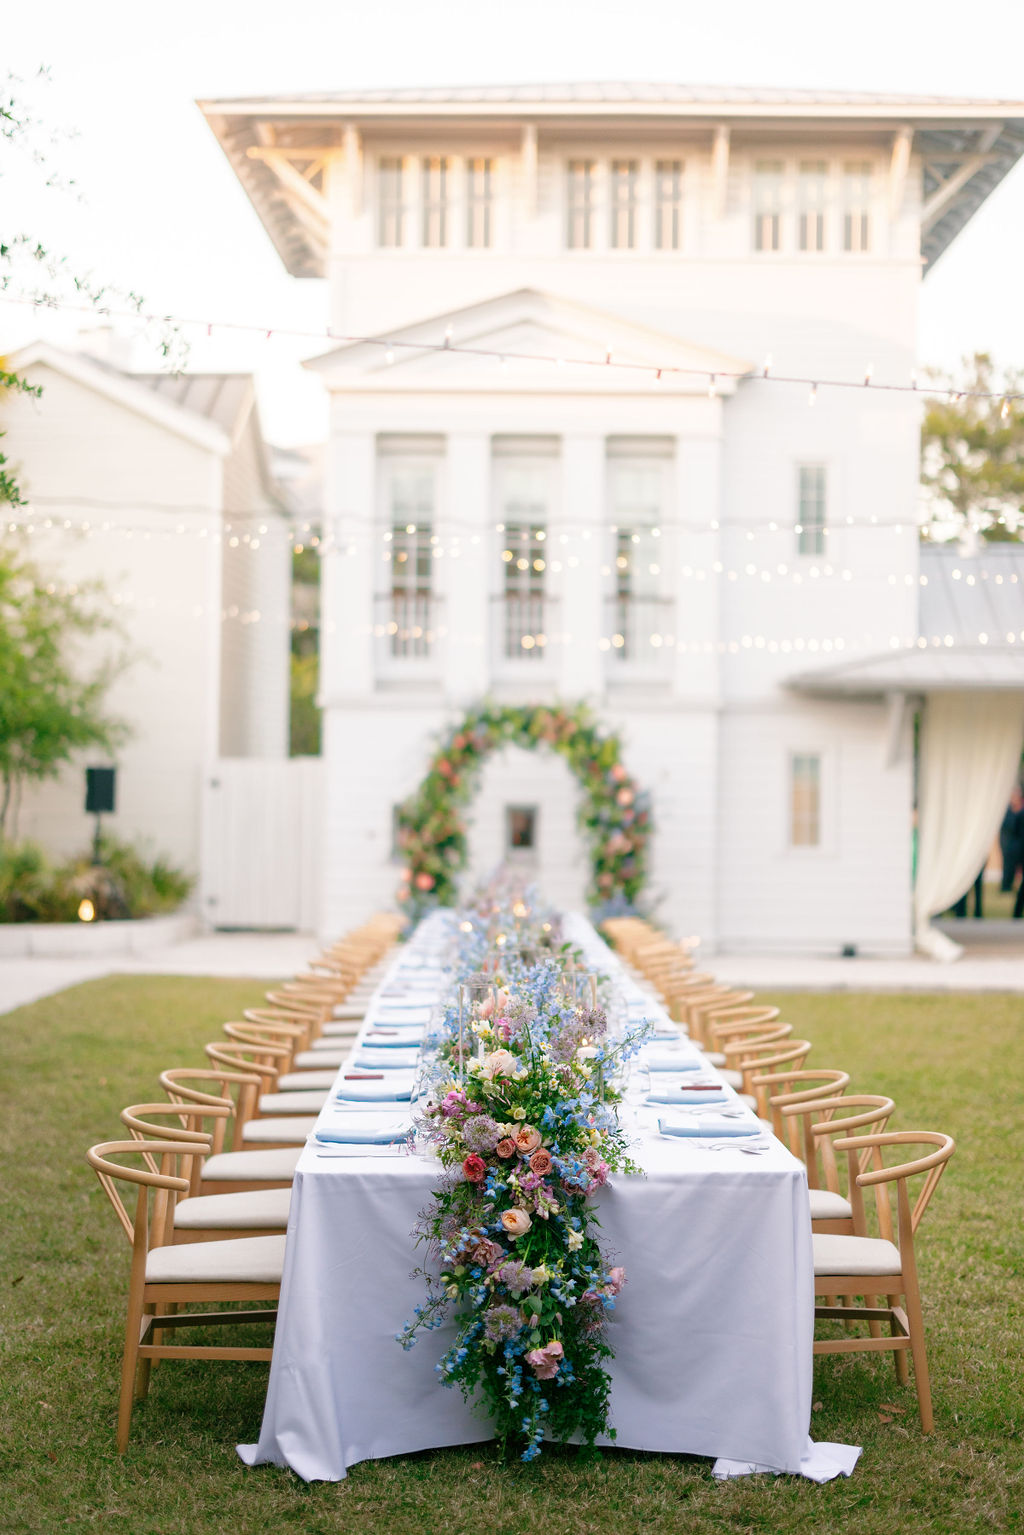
x=516, y=1276
x=502, y=1323
x=481, y=1133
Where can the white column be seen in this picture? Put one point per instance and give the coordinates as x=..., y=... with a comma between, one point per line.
x=467, y=578
x=580, y=668
x=348, y=571
x=698, y=504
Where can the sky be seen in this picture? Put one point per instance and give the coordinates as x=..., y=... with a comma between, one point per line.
x=156, y=208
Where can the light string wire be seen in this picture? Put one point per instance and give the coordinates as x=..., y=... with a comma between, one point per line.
x=763, y=374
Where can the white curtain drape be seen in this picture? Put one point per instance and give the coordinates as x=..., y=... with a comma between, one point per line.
x=970, y=756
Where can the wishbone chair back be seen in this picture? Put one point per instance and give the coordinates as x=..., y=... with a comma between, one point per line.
x=797, y=1086
x=237, y=1090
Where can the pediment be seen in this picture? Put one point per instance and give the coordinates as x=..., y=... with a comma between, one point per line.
x=527, y=340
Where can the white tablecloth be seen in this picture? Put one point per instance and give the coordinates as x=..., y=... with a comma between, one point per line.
x=711, y=1336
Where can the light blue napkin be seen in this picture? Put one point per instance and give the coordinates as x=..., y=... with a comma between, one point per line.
x=686, y=1095
x=670, y=1063
x=407, y=1041
x=346, y=1094
x=709, y=1130
x=371, y=1063
x=363, y=1137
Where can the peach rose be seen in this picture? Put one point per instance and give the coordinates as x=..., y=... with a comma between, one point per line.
x=527, y=1139
x=500, y=1063
x=506, y=1147
x=424, y=881
x=540, y=1162
x=516, y=1222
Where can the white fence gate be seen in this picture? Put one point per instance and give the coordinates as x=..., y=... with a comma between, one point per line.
x=262, y=840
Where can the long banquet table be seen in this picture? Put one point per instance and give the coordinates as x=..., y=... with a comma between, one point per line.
x=712, y=1336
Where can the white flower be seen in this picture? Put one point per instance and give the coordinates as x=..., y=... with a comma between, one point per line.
x=574, y=1241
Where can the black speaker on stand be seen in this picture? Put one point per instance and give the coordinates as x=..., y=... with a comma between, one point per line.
x=100, y=792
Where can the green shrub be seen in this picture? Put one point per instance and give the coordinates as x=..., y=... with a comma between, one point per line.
x=124, y=884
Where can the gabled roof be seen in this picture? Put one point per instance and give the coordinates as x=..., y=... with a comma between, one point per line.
x=123, y=389
x=967, y=144
x=540, y=324
x=223, y=398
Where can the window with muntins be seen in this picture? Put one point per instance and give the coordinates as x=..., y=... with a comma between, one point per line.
x=523, y=613
x=636, y=605
x=811, y=509
x=390, y=213
x=435, y=186
x=625, y=175
x=580, y=204
x=520, y=829
x=767, y=205
x=805, y=800
x=857, y=206
x=479, y=204
x=668, y=205
x=412, y=619
x=812, y=181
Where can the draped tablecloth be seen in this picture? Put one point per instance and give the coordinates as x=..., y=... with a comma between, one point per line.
x=711, y=1337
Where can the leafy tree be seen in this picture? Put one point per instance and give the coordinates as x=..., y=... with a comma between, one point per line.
x=51, y=701
x=972, y=452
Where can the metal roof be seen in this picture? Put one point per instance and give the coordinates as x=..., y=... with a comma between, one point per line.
x=970, y=631
x=225, y=398
x=967, y=144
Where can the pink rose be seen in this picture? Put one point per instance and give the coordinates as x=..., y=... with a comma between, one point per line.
x=506, y=1147
x=616, y=1279
x=544, y=1361
x=618, y=772
x=475, y=1168
x=540, y=1162
x=516, y=1222
x=527, y=1139
x=592, y=1157
x=424, y=881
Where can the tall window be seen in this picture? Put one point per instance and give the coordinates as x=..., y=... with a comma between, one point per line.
x=767, y=204
x=411, y=619
x=435, y=182
x=525, y=558
x=624, y=177
x=668, y=204
x=811, y=509
x=390, y=213
x=805, y=800
x=479, y=203
x=857, y=206
x=580, y=204
x=813, y=177
x=636, y=608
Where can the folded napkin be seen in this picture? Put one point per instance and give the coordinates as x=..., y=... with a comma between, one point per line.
x=389, y=1020
x=680, y=1062
x=403, y=1001
x=371, y=1062
x=687, y=1095
x=406, y=1040
x=356, y=1137
x=713, y=1129
x=373, y=1092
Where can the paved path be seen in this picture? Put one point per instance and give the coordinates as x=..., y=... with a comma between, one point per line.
x=269, y=956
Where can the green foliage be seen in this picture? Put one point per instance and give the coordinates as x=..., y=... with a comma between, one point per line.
x=304, y=713
x=125, y=883
x=50, y=707
x=972, y=452
x=10, y=489
x=614, y=814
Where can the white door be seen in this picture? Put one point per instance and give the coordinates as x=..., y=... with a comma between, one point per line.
x=260, y=866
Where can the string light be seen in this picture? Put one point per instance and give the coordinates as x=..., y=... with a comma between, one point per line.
x=419, y=346
x=813, y=395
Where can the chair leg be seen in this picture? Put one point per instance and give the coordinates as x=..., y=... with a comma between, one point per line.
x=128, y=1368
x=874, y=1328
x=915, y=1322
x=145, y=1366
x=899, y=1355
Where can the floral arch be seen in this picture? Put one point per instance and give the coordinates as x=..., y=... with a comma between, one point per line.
x=614, y=814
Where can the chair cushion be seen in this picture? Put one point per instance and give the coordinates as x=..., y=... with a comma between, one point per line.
x=335, y=1031
x=826, y=1206
x=219, y=1212
x=273, y=1166
x=306, y=1081
x=329, y=1054
x=240, y=1260
x=749, y=1101
x=713, y=1057
x=349, y=1010
x=294, y=1103
x=285, y=1131
x=854, y=1255
x=731, y=1078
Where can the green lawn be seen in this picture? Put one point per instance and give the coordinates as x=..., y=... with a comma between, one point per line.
x=68, y=1064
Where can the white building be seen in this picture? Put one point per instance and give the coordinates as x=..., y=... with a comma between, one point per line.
x=675, y=540
x=159, y=486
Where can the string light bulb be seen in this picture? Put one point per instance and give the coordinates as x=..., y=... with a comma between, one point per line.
x=812, y=398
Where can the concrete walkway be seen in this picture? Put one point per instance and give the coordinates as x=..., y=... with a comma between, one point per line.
x=272, y=956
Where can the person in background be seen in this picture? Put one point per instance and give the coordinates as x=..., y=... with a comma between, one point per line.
x=960, y=909
x=1011, y=839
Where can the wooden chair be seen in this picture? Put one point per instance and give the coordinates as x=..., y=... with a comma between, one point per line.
x=873, y=1266
x=758, y=1057
x=235, y=1169
x=788, y=1087
x=817, y=1129
x=320, y=1074
x=202, y=1216
x=283, y=1119
x=163, y=1274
